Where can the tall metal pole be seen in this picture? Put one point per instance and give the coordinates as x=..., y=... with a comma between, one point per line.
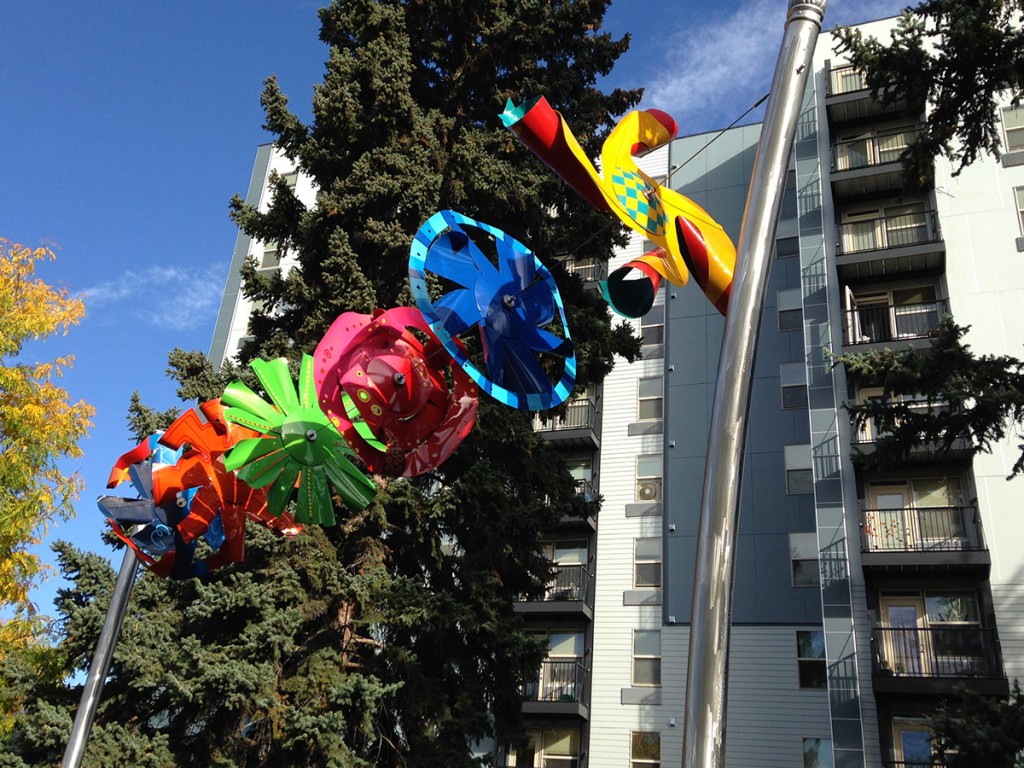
x=706, y=682
x=100, y=665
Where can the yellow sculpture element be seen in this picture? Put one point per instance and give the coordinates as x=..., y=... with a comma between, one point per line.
x=688, y=238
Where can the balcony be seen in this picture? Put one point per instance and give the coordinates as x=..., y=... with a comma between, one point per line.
x=890, y=245
x=937, y=660
x=884, y=324
x=590, y=270
x=567, y=594
x=923, y=539
x=848, y=98
x=558, y=690
x=576, y=427
x=869, y=164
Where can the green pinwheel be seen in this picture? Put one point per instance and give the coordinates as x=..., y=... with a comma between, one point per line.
x=301, y=446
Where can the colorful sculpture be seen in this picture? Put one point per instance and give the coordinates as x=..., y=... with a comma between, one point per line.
x=187, y=494
x=386, y=391
x=300, y=446
x=688, y=239
x=512, y=305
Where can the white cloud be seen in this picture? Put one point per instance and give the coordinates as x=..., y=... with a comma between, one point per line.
x=717, y=69
x=172, y=298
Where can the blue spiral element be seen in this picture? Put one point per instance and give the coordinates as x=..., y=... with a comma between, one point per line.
x=511, y=305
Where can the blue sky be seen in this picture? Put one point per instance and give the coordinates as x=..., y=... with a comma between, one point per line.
x=128, y=125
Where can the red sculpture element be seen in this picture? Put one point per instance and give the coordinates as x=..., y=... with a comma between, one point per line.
x=385, y=390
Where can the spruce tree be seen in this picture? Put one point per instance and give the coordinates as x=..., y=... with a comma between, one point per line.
x=389, y=639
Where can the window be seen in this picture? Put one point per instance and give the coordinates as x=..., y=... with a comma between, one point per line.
x=810, y=658
x=645, y=749
x=582, y=471
x=558, y=678
x=818, y=753
x=786, y=247
x=803, y=554
x=291, y=178
x=892, y=226
x=270, y=258
x=788, y=208
x=791, y=312
x=1013, y=129
x=548, y=748
x=650, y=398
x=1018, y=193
x=652, y=326
x=846, y=79
x=647, y=657
x=570, y=579
x=648, y=477
x=647, y=562
x=860, y=149
x=793, y=377
x=799, y=477
x=912, y=742
x=898, y=313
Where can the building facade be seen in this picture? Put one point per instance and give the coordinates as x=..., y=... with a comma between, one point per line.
x=861, y=596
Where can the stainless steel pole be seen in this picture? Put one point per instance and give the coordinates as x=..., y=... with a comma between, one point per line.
x=100, y=665
x=706, y=682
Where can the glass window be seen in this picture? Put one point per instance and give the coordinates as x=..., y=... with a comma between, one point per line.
x=791, y=319
x=652, y=326
x=647, y=657
x=790, y=306
x=810, y=658
x=793, y=378
x=548, y=748
x=647, y=562
x=291, y=178
x=805, y=573
x=648, y=477
x=645, y=750
x=799, y=477
x=650, y=399
x=1018, y=193
x=803, y=554
x=1013, y=128
x=786, y=247
x=794, y=396
x=952, y=608
x=788, y=209
x=799, y=482
x=271, y=257
x=818, y=753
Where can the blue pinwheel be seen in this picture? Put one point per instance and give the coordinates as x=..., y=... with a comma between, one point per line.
x=514, y=305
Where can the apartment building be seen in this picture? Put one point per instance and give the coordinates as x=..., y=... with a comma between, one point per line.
x=861, y=596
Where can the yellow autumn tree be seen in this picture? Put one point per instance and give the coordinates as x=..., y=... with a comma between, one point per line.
x=38, y=426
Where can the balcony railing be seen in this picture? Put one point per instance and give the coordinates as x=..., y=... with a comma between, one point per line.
x=557, y=681
x=589, y=269
x=888, y=232
x=585, y=488
x=845, y=80
x=580, y=414
x=869, y=431
x=869, y=151
x=569, y=583
x=921, y=529
x=949, y=651
x=874, y=323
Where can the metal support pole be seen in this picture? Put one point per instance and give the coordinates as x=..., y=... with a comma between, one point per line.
x=75, y=750
x=706, y=682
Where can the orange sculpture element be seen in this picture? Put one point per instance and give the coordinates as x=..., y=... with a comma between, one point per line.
x=186, y=487
x=688, y=239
